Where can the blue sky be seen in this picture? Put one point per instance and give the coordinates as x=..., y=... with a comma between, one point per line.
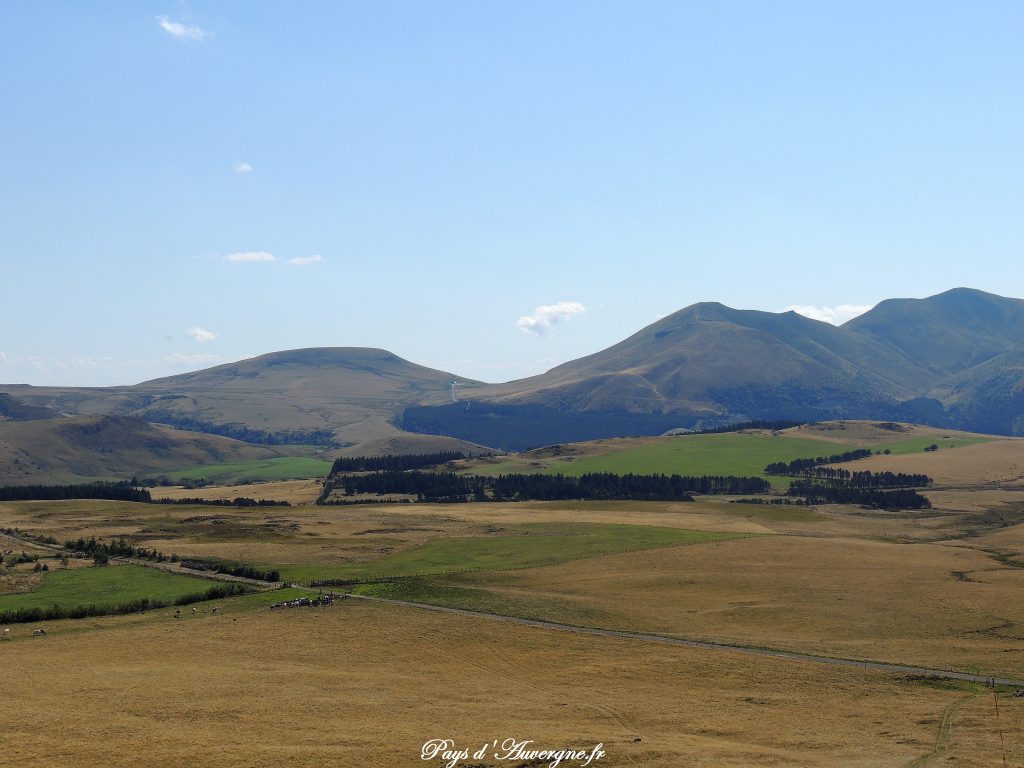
x=488, y=188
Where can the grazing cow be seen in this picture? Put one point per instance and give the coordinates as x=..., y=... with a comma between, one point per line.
x=38, y=633
x=214, y=610
x=194, y=609
x=7, y=633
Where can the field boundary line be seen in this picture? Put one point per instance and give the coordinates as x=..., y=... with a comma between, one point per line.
x=706, y=645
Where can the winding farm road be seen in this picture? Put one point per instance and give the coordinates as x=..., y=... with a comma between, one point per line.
x=878, y=666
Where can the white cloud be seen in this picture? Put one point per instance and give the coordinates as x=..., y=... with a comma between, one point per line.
x=305, y=261
x=3, y=357
x=201, y=334
x=180, y=31
x=177, y=358
x=250, y=256
x=836, y=315
x=545, y=318
x=242, y=168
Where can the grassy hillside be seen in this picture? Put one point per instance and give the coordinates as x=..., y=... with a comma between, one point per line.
x=12, y=409
x=112, y=447
x=948, y=360
x=721, y=454
x=351, y=394
x=947, y=333
x=732, y=453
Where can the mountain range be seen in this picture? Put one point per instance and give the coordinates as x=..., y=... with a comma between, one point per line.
x=951, y=360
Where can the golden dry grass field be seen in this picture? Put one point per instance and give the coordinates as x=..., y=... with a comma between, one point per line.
x=995, y=464
x=874, y=434
x=924, y=604
x=292, y=491
x=366, y=685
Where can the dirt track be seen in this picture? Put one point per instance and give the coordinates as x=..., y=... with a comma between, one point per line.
x=710, y=646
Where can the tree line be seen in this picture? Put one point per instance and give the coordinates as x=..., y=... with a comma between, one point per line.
x=114, y=491
x=102, y=551
x=244, y=433
x=118, y=491
x=397, y=463
x=54, y=612
x=234, y=569
x=819, y=493
x=867, y=479
x=449, y=487
x=797, y=467
x=771, y=424
x=238, y=501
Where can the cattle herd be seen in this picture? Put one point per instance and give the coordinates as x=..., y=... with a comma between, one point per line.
x=302, y=602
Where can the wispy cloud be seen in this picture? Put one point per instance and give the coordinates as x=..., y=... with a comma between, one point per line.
x=198, y=358
x=242, y=168
x=836, y=315
x=305, y=261
x=543, y=319
x=245, y=256
x=201, y=335
x=51, y=364
x=180, y=31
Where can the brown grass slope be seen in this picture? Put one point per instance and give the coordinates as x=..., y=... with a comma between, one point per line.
x=113, y=447
x=954, y=359
x=12, y=409
x=708, y=356
x=354, y=392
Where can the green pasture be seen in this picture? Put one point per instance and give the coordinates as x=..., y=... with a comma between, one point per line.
x=262, y=470
x=459, y=592
x=731, y=453
x=717, y=454
x=518, y=546
x=918, y=444
x=110, y=585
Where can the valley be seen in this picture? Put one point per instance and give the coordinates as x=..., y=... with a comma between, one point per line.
x=821, y=581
